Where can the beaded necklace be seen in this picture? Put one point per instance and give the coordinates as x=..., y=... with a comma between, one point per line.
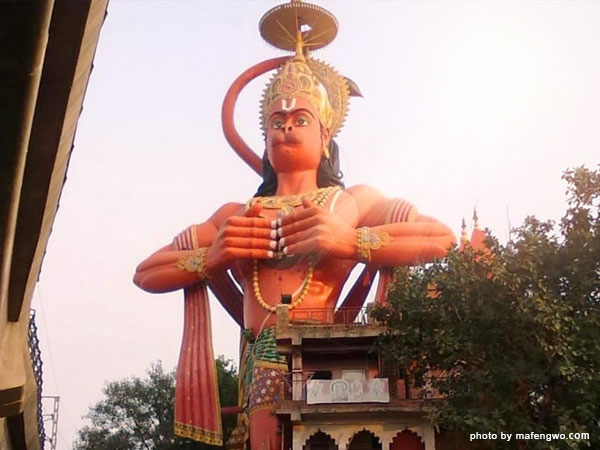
x=321, y=197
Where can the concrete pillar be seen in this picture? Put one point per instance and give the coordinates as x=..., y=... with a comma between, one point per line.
x=342, y=442
x=297, y=442
x=428, y=437
x=297, y=376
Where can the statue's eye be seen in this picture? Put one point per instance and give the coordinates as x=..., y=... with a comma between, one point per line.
x=277, y=124
x=301, y=121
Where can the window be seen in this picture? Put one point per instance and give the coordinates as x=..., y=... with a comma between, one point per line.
x=353, y=374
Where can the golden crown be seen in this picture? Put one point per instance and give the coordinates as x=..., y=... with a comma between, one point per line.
x=325, y=89
x=305, y=26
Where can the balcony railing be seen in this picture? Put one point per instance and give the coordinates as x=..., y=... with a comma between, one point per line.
x=331, y=316
x=300, y=388
x=347, y=391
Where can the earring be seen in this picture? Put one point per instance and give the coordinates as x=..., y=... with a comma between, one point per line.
x=326, y=150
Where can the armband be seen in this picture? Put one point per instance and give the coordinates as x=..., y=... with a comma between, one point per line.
x=367, y=240
x=195, y=262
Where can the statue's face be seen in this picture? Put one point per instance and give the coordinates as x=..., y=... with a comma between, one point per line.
x=295, y=138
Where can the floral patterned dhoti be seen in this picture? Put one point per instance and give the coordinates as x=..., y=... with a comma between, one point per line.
x=262, y=381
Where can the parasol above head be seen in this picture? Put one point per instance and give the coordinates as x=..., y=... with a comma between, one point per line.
x=298, y=27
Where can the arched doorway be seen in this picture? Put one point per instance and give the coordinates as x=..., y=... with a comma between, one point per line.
x=407, y=440
x=364, y=440
x=320, y=441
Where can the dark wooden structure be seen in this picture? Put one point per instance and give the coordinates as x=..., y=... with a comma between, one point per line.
x=46, y=53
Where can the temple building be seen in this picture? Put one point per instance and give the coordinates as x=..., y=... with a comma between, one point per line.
x=341, y=394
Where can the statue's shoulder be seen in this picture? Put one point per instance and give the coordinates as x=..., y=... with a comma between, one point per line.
x=376, y=209
x=364, y=190
x=226, y=211
x=366, y=199
x=366, y=196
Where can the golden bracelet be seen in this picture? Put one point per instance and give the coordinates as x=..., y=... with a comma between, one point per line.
x=195, y=262
x=362, y=244
x=367, y=240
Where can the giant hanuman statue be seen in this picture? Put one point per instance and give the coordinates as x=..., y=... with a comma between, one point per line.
x=300, y=234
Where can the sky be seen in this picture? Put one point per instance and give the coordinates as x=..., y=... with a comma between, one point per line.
x=466, y=104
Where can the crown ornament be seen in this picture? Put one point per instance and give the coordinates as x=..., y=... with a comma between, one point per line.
x=297, y=27
x=301, y=27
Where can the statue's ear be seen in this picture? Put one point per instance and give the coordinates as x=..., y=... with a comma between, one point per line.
x=325, y=135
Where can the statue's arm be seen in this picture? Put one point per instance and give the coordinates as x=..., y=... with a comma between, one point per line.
x=159, y=272
x=413, y=238
x=393, y=233
x=230, y=234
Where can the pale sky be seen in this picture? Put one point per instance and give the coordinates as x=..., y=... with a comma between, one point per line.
x=465, y=103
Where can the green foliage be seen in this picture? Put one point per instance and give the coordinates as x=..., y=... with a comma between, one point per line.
x=228, y=392
x=511, y=335
x=138, y=414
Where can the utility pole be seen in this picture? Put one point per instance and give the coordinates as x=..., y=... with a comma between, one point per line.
x=53, y=416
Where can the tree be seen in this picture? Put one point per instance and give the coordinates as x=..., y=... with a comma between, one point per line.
x=510, y=336
x=139, y=413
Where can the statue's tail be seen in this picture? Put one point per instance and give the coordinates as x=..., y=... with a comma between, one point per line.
x=227, y=111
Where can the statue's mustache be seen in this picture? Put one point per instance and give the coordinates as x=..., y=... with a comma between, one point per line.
x=288, y=138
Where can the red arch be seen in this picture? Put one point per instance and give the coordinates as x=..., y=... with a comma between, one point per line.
x=407, y=440
x=374, y=437
x=320, y=441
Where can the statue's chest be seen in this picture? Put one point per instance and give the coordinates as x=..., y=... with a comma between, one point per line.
x=279, y=206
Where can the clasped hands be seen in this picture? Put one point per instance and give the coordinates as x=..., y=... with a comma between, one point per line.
x=310, y=230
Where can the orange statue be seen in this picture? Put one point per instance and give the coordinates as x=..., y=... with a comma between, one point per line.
x=301, y=234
